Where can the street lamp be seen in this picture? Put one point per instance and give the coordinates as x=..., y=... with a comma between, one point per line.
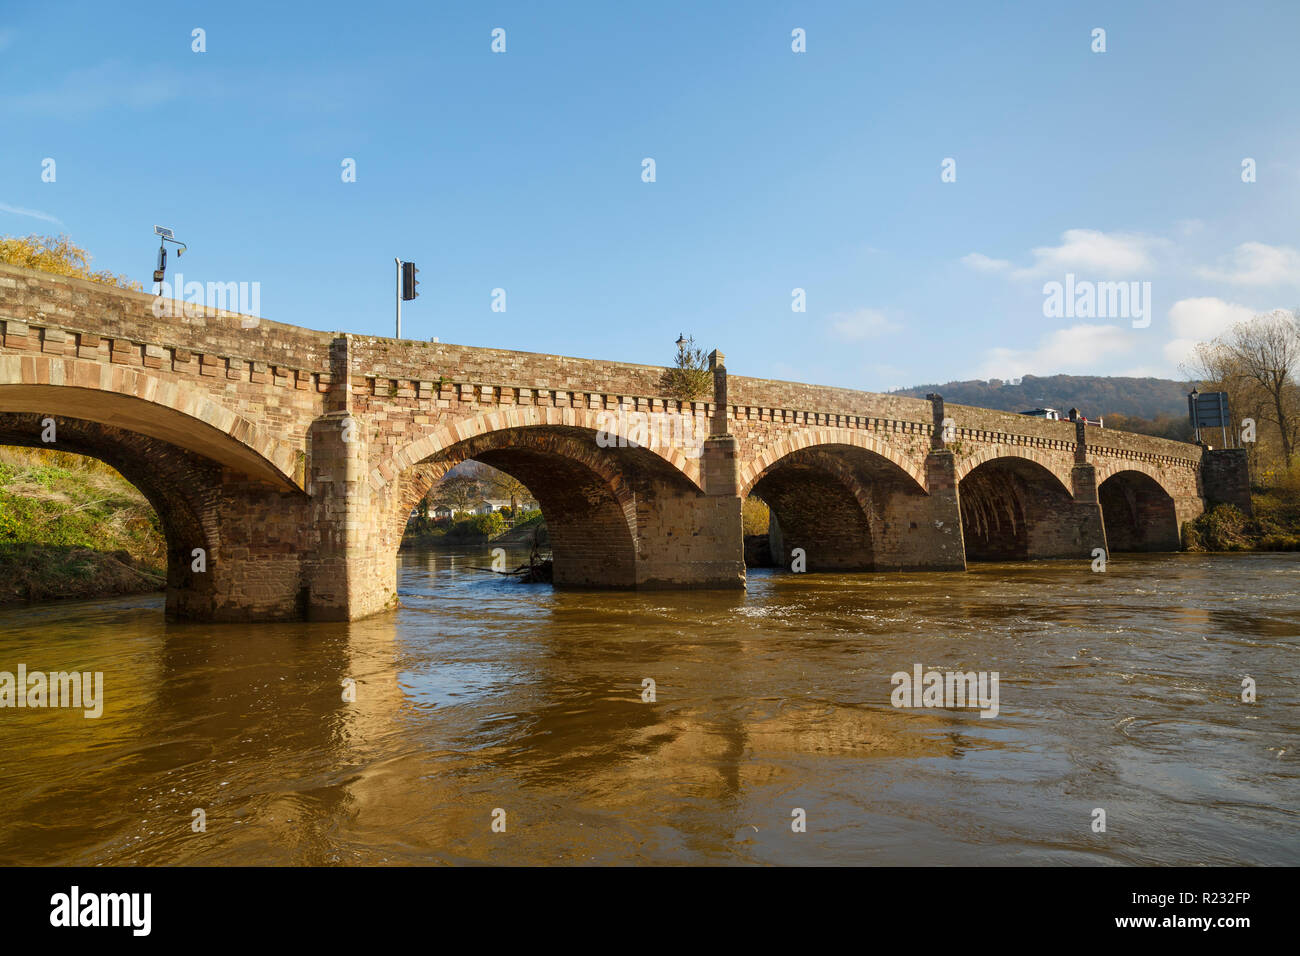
x=165, y=236
x=1191, y=405
x=681, y=342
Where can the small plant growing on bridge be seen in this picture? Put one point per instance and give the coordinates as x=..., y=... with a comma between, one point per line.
x=689, y=378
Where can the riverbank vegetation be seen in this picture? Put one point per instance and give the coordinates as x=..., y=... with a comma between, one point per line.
x=72, y=527
x=1274, y=525
x=452, y=511
x=1256, y=362
x=464, y=528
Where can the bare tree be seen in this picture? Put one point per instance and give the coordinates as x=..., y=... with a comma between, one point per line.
x=508, y=486
x=457, y=491
x=1268, y=350
x=1256, y=364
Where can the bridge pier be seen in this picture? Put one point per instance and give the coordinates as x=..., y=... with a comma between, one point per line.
x=689, y=540
x=351, y=573
x=1088, y=518
x=1225, y=480
x=923, y=532
x=252, y=569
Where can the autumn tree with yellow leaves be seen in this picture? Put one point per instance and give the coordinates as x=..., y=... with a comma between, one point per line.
x=60, y=256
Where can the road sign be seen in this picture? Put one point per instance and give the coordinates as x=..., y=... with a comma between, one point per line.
x=1208, y=409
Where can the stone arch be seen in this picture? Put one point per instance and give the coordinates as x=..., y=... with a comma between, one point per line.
x=1138, y=511
x=1110, y=467
x=145, y=404
x=586, y=420
x=179, y=485
x=595, y=499
x=1013, y=508
x=838, y=503
x=752, y=471
x=1049, y=462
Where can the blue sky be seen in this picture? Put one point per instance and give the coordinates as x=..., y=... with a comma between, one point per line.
x=775, y=170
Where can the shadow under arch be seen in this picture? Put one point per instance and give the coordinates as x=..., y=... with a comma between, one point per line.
x=1138, y=513
x=179, y=486
x=1013, y=508
x=839, y=503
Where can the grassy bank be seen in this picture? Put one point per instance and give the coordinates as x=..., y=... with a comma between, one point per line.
x=71, y=527
x=1275, y=525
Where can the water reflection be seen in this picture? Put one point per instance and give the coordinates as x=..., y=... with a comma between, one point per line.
x=1119, y=690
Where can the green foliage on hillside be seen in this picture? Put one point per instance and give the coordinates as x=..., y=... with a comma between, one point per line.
x=1094, y=395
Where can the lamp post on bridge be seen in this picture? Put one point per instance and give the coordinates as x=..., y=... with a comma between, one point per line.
x=165, y=236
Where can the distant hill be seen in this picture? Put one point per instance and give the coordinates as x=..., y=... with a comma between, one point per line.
x=1093, y=395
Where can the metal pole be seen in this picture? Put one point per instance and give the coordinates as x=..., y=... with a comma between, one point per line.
x=399, y=295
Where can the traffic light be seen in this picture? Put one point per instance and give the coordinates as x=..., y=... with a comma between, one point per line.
x=409, y=282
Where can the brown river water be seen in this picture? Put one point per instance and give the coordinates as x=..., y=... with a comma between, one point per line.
x=1118, y=690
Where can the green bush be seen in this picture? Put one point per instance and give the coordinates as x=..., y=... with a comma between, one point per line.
x=1275, y=526
x=1223, y=529
x=474, y=527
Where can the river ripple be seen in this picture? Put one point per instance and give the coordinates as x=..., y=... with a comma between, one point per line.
x=1118, y=691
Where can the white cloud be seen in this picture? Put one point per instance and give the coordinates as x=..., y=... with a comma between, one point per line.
x=1257, y=263
x=1095, y=253
x=1143, y=371
x=34, y=213
x=1076, y=350
x=1200, y=320
x=860, y=324
x=982, y=263
x=1180, y=352
x=1206, y=317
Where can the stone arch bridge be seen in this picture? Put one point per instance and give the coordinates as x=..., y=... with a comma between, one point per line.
x=293, y=457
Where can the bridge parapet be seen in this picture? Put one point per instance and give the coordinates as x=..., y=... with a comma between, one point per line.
x=93, y=308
